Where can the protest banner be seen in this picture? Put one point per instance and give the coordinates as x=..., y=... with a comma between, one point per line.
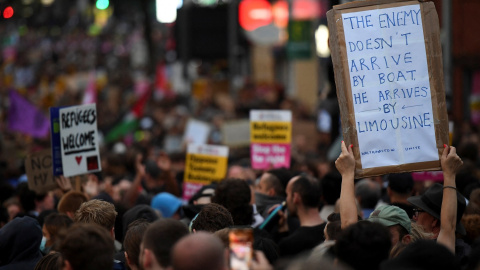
x=39, y=171
x=196, y=132
x=236, y=133
x=204, y=165
x=387, y=60
x=270, y=138
x=79, y=140
x=55, y=141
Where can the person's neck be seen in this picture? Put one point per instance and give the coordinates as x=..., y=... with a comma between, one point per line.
x=396, y=198
x=309, y=217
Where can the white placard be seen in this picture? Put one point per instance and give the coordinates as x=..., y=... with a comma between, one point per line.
x=390, y=86
x=79, y=140
x=270, y=116
x=196, y=132
x=208, y=149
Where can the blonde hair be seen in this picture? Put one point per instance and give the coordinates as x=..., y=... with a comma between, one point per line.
x=98, y=212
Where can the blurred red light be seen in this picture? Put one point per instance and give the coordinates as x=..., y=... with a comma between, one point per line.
x=8, y=13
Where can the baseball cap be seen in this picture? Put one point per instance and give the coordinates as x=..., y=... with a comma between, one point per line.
x=389, y=215
x=166, y=203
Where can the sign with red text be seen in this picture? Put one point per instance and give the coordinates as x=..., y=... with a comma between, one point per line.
x=79, y=140
x=204, y=165
x=270, y=138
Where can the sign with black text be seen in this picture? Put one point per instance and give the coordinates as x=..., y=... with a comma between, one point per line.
x=387, y=64
x=79, y=140
x=39, y=171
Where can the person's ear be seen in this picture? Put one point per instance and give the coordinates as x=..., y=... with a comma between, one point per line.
x=389, y=192
x=296, y=198
x=271, y=192
x=147, y=258
x=66, y=265
x=127, y=259
x=406, y=239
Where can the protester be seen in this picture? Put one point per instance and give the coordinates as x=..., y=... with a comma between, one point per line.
x=199, y=251
x=158, y=241
x=132, y=242
x=51, y=261
x=212, y=217
x=52, y=226
x=303, y=199
x=87, y=246
x=70, y=202
x=19, y=244
x=270, y=189
x=400, y=188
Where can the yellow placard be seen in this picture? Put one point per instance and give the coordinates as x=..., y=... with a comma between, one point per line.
x=270, y=132
x=204, y=169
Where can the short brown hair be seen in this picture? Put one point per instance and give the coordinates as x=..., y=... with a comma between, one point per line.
x=96, y=211
x=133, y=239
x=87, y=246
x=54, y=223
x=212, y=217
x=71, y=201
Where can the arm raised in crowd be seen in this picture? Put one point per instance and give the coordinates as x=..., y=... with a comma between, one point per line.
x=132, y=194
x=345, y=164
x=448, y=216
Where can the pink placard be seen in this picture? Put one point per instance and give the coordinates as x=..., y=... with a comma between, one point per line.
x=189, y=189
x=270, y=156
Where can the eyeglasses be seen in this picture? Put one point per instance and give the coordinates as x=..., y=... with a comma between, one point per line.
x=417, y=211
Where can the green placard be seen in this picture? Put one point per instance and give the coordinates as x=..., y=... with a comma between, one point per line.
x=299, y=40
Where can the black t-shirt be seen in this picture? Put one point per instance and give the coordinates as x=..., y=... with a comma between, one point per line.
x=407, y=207
x=303, y=239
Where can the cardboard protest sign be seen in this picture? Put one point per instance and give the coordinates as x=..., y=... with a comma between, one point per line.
x=270, y=138
x=39, y=172
x=388, y=71
x=79, y=140
x=196, y=132
x=204, y=164
x=236, y=133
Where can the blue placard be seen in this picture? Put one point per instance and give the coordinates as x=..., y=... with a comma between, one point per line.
x=55, y=137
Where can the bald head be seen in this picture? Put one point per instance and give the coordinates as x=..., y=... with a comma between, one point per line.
x=199, y=251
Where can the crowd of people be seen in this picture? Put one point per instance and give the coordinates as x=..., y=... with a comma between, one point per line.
x=131, y=215
x=330, y=223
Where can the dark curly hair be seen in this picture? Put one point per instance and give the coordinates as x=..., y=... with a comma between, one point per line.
x=212, y=217
x=235, y=195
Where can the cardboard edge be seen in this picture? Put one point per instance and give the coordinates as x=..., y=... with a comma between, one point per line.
x=432, y=43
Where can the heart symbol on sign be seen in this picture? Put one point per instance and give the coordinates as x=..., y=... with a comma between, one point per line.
x=79, y=159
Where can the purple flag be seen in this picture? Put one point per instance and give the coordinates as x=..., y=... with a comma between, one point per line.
x=26, y=118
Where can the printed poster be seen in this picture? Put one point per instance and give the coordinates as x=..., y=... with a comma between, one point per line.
x=204, y=165
x=79, y=140
x=270, y=138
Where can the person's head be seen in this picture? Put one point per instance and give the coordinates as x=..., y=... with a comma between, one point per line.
x=32, y=201
x=137, y=212
x=422, y=255
x=396, y=220
x=98, y=212
x=235, y=195
x=70, y=203
x=331, y=185
x=132, y=241
x=363, y=245
x=429, y=206
x=167, y=204
x=273, y=182
x=333, y=228
x=158, y=241
x=212, y=217
x=153, y=174
x=86, y=247
x=304, y=192
x=51, y=261
x=199, y=251
x=51, y=227
x=368, y=193
x=20, y=241
x=400, y=185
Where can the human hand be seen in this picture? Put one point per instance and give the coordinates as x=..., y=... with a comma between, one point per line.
x=450, y=161
x=140, y=168
x=64, y=183
x=345, y=163
x=260, y=262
